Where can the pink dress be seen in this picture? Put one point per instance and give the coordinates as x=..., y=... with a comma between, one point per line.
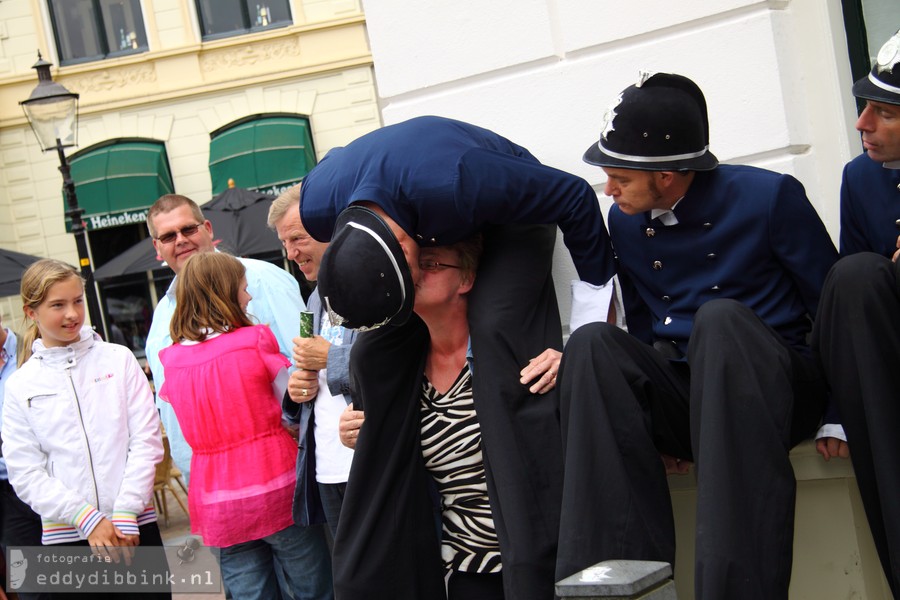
x=243, y=464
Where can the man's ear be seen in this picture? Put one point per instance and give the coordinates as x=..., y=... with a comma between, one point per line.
x=664, y=179
x=466, y=285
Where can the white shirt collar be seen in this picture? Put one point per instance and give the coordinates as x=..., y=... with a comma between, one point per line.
x=666, y=216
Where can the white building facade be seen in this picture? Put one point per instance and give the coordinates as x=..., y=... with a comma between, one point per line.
x=777, y=76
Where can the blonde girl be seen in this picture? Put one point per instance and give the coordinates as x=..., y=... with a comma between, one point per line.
x=81, y=434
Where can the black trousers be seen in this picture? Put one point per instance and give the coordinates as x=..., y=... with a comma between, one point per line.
x=736, y=408
x=474, y=586
x=19, y=526
x=857, y=338
x=513, y=317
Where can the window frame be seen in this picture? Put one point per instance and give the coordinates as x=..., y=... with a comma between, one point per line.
x=245, y=13
x=857, y=42
x=101, y=36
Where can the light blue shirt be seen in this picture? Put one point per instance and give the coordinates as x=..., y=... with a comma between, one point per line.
x=5, y=371
x=276, y=302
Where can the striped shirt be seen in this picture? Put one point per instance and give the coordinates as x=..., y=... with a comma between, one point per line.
x=451, y=446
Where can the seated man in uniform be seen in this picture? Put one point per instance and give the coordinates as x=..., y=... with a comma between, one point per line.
x=721, y=269
x=857, y=333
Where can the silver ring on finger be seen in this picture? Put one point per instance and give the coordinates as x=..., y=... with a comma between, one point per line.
x=304, y=392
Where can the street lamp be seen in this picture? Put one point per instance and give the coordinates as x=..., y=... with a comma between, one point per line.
x=52, y=112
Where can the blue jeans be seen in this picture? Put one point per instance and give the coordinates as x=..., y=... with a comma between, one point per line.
x=332, y=495
x=249, y=568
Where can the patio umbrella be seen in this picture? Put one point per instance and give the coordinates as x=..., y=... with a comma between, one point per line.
x=238, y=218
x=12, y=265
x=137, y=259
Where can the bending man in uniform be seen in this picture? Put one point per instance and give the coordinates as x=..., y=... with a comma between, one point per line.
x=434, y=182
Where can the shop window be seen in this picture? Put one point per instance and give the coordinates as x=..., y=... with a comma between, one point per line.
x=223, y=18
x=87, y=30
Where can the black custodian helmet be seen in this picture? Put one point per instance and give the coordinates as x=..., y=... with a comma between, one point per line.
x=882, y=84
x=364, y=280
x=657, y=124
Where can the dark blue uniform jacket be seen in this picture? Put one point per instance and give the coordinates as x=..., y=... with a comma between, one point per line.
x=870, y=207
x=743, y=233
x=443, y=180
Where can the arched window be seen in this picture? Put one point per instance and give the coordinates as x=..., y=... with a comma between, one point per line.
x=118, y=180
x=266, y=153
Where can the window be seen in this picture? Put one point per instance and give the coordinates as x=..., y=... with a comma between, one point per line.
x=223, y=18
x=87, y=30
x=869, y=24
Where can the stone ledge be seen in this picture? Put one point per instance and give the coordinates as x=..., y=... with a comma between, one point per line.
x=808, y=465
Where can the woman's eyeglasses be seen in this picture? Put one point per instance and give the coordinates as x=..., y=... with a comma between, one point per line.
x=168, y=238
x=431, y=265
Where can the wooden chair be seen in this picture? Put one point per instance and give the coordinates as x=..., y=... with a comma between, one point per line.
x=166, y=473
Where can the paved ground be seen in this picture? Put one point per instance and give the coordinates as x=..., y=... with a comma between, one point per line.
x=174, y=533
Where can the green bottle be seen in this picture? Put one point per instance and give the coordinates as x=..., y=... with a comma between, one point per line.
x=306, y=324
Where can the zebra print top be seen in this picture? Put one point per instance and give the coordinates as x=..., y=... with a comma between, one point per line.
x=451, y=446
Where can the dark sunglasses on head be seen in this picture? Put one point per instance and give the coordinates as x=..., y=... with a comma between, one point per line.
x=168, y=238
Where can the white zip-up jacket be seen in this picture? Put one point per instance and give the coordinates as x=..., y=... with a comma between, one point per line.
x=81, y=438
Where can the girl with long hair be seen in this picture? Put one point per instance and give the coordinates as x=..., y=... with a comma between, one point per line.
x=225, y=379
x=81, y=435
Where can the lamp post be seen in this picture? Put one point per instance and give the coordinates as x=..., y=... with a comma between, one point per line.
x=52, y=112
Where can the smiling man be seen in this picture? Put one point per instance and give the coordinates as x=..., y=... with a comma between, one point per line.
x=721, y=268
x=858, y=331
x=319, y=390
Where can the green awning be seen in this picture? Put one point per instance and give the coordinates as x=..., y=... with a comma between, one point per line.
x=266, y=154
x=117, y=183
